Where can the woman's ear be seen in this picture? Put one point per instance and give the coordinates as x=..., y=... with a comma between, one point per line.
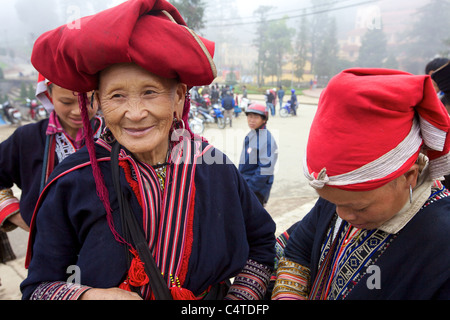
x=411, y=175
x=180, y=98
x=96, y=101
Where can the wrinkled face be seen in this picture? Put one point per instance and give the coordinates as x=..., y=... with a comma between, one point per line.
x=370, y=209
x=139, y=108
x=255, y=121
x=68, y=110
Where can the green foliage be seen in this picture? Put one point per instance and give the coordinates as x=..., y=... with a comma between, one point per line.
x=192, y=12
x=3, y=98
x=426, y=37
x=260, y=42
x=23, y=91
x=230, y=79
x=31, y=92
x=273, y=41
x=279, y=38
x=319, y=35
x=373, y=52
x=301, y=48
x=326, y=65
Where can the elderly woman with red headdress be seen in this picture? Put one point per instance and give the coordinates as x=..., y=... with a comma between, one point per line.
x=377, y=148
x=149, y=210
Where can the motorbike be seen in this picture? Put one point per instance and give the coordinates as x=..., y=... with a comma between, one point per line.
x=217, y=113
x=12, y=114
x=207, y=100
x=212, y=115
x=195, y=123
x=244, y=104
x=286, y=110
x=36, y=111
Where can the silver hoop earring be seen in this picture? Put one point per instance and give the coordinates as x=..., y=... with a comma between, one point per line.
x=410, y=194
x=176, y=121
x=108, y=136
x=92, y=100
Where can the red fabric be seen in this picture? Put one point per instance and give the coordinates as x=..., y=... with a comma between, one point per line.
x=365, y=113
x=42, y=93
x=134, y=31
x=133, y=183
x=8, y=210
x=136, y=276
x=258, y=109
x=179, y=293
x=189, y=237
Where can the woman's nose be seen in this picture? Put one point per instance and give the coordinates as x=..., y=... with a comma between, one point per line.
x=75, y=111
x=136, y=110
x=346, y=214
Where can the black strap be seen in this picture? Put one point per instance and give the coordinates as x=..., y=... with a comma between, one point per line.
x=131, y=228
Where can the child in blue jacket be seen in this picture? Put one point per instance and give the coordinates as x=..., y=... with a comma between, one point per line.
x=260, y=153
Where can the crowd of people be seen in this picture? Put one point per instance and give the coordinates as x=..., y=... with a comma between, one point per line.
x=146, y=209
x=234, y=103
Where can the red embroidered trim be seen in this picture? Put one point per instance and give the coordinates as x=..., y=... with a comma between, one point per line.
x=189, y=239
x=133, y=183
x=8, y=210
x=189, y=235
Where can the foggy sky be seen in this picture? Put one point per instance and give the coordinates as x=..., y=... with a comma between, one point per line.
x=22, y=21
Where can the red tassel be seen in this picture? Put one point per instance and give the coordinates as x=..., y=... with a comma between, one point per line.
x=125, y=286
x=179, y=293
x=136, y=273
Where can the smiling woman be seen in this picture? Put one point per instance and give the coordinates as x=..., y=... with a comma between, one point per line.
x=140, y=108
x=138, y=211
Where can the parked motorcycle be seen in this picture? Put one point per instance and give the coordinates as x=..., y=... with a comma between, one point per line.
x=36, y=111
x=11, y=113
x=244, y=104
x=195, y=123
x=213, y=115
x=287, y=110
x=217, y=113
x=207, y=100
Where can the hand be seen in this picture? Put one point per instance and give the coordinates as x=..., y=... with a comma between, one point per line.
x=17, y=220
x=109, y=294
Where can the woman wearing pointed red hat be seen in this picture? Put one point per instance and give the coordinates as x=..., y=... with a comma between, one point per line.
x=149, y=210
x=379, y=230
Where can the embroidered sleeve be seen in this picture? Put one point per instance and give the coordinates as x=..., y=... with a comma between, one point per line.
x=292, y=281
x=251, y=283
x=9, y=205
x=58, y=290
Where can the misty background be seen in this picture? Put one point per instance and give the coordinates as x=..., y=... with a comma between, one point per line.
x=289, y=42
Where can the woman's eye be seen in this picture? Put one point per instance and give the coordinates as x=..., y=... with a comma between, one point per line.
x=117, y=95
x=147, y=92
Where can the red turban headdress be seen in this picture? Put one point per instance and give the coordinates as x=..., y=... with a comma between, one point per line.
x=370, y=127
x=150, y=33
